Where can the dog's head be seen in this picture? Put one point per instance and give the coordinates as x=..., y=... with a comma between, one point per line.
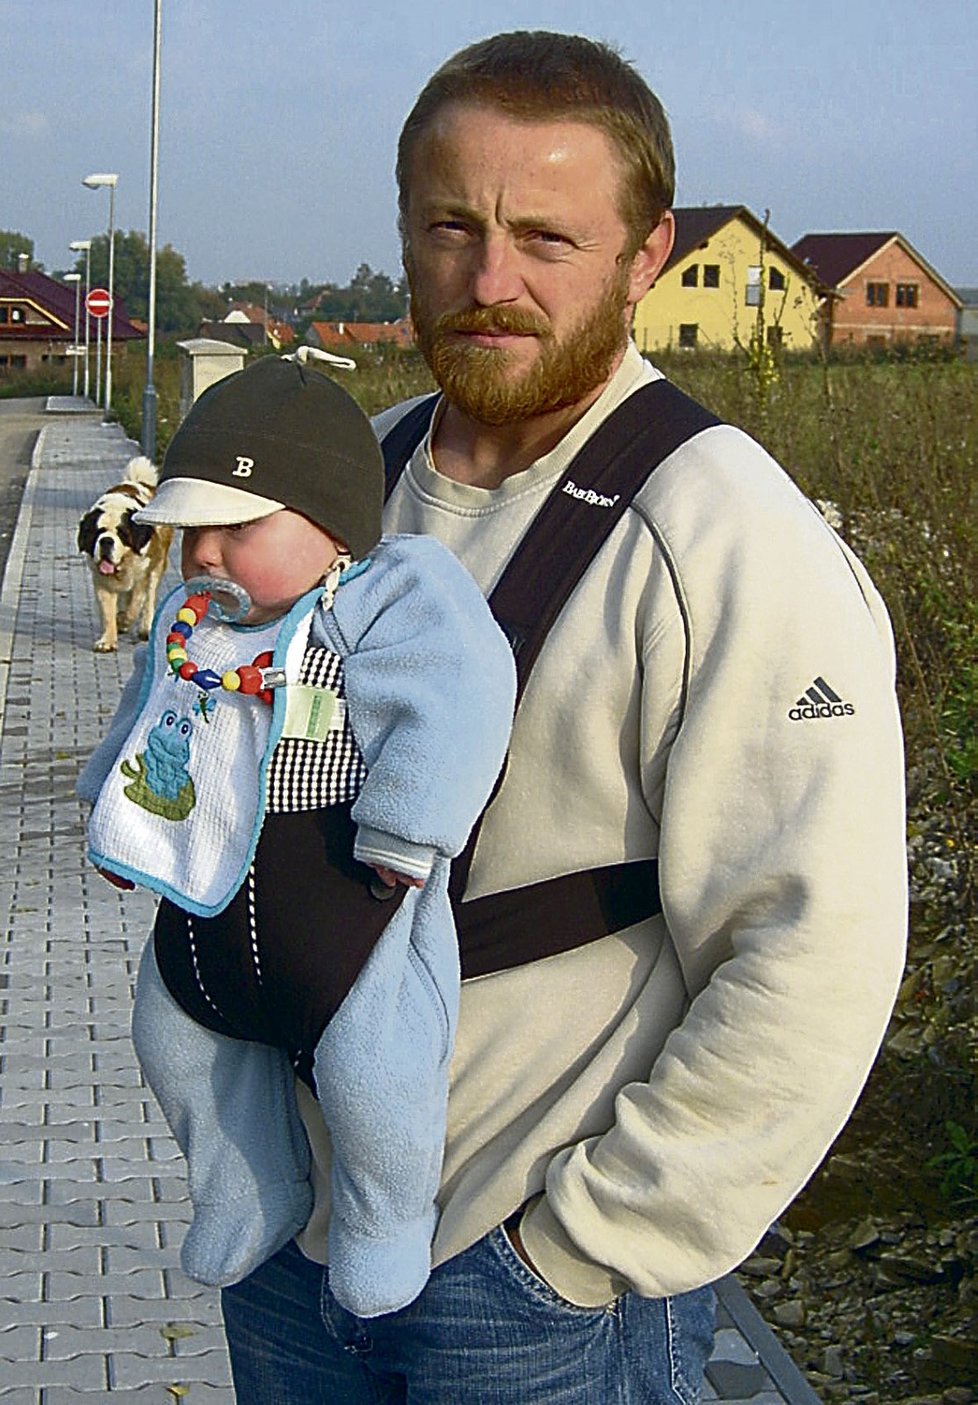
x=107, y=532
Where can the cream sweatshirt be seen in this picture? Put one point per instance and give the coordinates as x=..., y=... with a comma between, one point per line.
x=660, y=1095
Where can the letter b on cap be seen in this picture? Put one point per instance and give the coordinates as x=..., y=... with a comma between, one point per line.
x=242, y=468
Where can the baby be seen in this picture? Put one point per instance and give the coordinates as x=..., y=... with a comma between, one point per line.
x=316, y=723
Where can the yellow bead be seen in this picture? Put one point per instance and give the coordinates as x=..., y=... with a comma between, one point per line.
x=230, y=681
x=186, y=616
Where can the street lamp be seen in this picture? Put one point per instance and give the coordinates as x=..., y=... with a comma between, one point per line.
x=76, y=279
x=84, y=246
x=148, y=436
x=95, y=182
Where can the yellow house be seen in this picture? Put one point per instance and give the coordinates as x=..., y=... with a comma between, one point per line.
x=725, y=268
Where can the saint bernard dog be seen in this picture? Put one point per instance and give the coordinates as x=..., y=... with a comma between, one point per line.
x=127, y=559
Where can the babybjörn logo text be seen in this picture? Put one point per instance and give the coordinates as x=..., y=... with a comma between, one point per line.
x=242, y=467
x=589, y=496
x=819, y=701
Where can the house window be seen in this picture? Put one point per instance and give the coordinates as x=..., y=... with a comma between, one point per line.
x=691, y=276
x=688, y=332
x=711, y=275
x=753, y=295
x=776, y=280
x=877, y=294
x=907, y=294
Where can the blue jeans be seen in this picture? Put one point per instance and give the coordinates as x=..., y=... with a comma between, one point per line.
x=485, y=1331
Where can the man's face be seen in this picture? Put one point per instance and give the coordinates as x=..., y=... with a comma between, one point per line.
x=520, y=293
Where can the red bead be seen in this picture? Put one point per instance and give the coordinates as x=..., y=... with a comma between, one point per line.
x=175, y=638
x=187, y=670
x=263, y=660
x=250, y=678
x=197, y=603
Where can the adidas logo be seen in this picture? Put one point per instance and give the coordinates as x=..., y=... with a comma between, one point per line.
x=819, y=701
x=589, y=496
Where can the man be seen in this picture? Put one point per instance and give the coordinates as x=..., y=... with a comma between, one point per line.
x=629, y=1112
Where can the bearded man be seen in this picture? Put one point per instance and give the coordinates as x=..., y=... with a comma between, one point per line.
x=693, y=891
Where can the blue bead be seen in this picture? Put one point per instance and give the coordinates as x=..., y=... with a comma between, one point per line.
x=181, y=627
x=206, y=678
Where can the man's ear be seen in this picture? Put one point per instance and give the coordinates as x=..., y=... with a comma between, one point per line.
x=651, y=258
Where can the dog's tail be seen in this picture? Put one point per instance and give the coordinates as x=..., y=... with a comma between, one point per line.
x=142, y=471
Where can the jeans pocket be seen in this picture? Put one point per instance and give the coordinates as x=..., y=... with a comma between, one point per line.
x=532, y=1287
x=690, y=1325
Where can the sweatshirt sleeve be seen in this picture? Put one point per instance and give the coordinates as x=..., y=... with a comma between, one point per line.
x=99, y=764
x=782, y=867
x=430, y=686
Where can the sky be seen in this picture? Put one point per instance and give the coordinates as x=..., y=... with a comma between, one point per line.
x=279, y=121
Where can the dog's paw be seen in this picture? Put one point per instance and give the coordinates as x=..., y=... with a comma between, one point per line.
x=104, y=646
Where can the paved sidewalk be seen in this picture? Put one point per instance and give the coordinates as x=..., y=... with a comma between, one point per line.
x=92, y=1205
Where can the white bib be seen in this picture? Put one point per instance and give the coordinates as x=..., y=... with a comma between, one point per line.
x=182, y=808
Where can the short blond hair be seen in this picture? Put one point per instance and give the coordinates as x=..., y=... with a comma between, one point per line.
x=541, y=76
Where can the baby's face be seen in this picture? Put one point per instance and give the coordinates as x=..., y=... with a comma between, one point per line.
x=276, y=559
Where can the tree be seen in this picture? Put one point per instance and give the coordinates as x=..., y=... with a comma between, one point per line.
x=13, y=244
x=177, y=303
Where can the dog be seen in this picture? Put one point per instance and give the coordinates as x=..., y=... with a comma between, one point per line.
x=127, y=559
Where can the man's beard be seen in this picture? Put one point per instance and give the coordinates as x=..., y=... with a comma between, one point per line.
x=480, y=380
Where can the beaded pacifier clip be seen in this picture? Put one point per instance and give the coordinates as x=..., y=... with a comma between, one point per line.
x=207, y=597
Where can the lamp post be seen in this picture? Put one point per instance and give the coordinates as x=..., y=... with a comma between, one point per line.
x=95, y=182
x=79, y=246
x=76, y=279
x=148, y=437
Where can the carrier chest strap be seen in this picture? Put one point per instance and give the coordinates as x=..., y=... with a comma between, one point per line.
x=575, y=520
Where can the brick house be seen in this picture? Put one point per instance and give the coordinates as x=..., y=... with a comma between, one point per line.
x=37, y=322
x=877, y=289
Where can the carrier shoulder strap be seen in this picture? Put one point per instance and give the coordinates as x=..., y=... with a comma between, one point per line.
x=577, y=517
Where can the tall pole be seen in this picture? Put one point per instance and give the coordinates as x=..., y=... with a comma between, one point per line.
x=108, y=346
x=96, y=181
x=98, y=361
x=76, y=279
x=148, y=441
x=79, y=246
x=88, y=320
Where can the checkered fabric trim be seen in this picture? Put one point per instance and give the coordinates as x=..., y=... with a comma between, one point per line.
x=308, y=775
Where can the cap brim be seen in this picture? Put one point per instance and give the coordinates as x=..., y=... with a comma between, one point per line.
x=193, y=502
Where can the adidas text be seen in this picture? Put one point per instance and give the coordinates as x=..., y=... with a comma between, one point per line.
x=810, y=711
x=589, y=496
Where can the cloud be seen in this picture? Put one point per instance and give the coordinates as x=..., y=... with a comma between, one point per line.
x=25, y=124
x=754, y=125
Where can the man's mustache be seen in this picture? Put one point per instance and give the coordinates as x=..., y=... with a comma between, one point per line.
x=515, y=320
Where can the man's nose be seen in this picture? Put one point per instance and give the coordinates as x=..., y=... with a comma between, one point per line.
x=496, y=276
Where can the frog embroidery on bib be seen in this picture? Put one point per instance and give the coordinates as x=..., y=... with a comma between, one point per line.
x=160, y=780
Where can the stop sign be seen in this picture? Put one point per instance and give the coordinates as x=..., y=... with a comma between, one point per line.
x=97, y=302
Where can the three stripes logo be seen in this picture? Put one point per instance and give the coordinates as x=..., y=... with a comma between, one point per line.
x=819, y=701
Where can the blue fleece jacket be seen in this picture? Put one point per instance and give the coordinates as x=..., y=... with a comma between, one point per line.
x=430, y=690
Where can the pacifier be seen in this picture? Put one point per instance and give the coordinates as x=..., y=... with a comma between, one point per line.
x=228, y=602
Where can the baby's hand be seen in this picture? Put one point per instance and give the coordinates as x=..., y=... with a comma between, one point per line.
x=388, y=876
x=116, y=881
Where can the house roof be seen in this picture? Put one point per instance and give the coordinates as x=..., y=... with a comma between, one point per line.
x=836, y=258
x=247, y=334
x=363, y=333
x=696, y=224
x=57, y=302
